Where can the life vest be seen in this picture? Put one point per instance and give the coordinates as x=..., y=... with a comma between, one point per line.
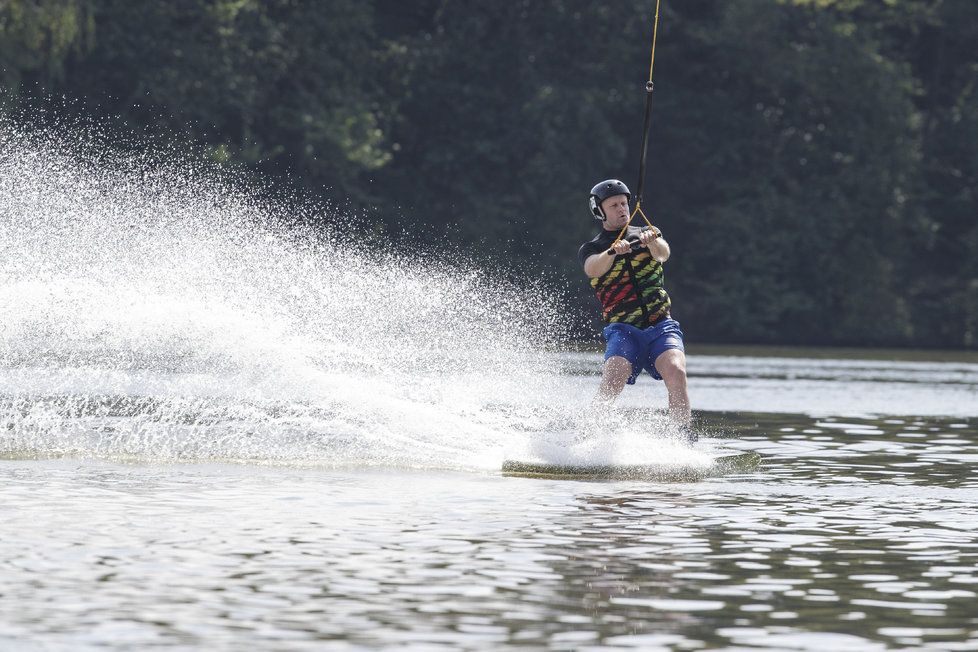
x=631, y=292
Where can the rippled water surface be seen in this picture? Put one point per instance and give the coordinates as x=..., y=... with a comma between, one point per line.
x=855, y=533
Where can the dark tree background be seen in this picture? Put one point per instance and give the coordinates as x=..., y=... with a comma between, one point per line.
x=813, y=162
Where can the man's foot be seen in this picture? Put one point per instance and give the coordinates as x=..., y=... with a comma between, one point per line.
x=688, y=434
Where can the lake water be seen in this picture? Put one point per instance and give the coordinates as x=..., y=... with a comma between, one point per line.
x=859, y=530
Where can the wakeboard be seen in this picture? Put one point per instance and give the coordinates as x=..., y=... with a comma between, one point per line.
x=727, y=462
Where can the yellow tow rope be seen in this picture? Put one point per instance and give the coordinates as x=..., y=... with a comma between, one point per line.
x=645, y=136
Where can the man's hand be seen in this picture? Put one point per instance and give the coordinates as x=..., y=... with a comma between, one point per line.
x=649, y=235
x=621, y=247
x=658, y=247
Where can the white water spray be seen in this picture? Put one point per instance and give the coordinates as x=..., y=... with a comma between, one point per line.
x=155, y=312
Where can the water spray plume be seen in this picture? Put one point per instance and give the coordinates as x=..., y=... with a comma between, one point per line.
x=152, y=308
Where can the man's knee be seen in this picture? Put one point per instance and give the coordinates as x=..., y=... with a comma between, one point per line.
x=613, y=378
x=671, y=365
x=617, y=368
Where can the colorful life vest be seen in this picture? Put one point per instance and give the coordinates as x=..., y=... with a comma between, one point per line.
x=632, y=291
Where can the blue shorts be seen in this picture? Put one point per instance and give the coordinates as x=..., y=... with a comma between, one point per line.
x=642, y=346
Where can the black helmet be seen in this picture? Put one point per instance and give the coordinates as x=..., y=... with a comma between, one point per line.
x=602, y=191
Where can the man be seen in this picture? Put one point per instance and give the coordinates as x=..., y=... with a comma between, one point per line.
x=628, y=283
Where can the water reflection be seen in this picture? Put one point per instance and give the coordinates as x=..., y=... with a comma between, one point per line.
x=853, y=534
x=772, y=562
x=935, y=453
x=785, y=559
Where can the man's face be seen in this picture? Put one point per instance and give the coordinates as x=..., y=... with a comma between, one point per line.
x=616, y=209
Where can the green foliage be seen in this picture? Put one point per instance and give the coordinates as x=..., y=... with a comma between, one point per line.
x=813, y=162
x=948, y=68
x=789, y=200
x=37, y=35
x=499, y=117
x=279, y=85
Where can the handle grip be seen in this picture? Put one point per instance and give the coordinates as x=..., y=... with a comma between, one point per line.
x=635, y=246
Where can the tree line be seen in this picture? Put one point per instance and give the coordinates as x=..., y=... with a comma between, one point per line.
x=813, y=163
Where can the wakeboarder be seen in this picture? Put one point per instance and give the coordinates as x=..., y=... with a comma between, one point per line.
x=626, y=272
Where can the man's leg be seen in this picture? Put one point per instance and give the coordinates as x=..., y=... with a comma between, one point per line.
x=671, y=365
x=613, y=378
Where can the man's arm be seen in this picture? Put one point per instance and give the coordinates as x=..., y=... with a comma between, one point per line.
x=599, y=264
x=658, y=247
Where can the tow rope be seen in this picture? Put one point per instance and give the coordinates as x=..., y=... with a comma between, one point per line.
x=645, y=136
